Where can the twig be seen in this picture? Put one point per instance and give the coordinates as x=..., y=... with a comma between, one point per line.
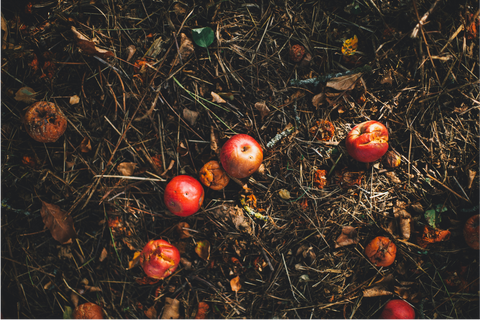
x=325, y=78
x=424, y=18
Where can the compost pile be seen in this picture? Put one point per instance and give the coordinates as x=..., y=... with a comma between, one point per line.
x=131, y=94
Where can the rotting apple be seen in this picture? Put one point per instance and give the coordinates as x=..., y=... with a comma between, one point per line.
x=367, y=141
x=183, y=195
x=213, y=176
x=88, y=310
x=44, y=121
x=397, y=309
x=159, y=259
x=471, y=232
x=241, y=156
x=381, y=251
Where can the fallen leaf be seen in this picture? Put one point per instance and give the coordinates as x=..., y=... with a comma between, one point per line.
x=183, y=233
x=350, y=46
x=284, y=194
x=86, y=145
x=88, y=47
x=404, y=220
x=213, y=141
x=93, y=289
x=58, y=222
x=151, y=313
x=185, y=263
x=185, y=50
x=74, y=100
x=318, y=100
x=25, y=94
x=235, y=284
x=5, y=33
x=126, y=168
x=203, y=249
x=344, y=82
x=347, y=237
x=216, y=98
x=380, y=288
x=262, y=107
x=202, y=310
x=190, y=116
x=171, y=309
x=103, y=255
x=131, y=51
x=135, y=260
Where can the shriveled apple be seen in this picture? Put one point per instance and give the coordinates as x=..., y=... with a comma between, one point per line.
x=241, y=156
x=159, y=259
x=381, y=251
x=368, y=141
x=183, y=195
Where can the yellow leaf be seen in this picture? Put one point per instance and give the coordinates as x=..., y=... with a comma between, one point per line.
x=350, y=46
x=235, y=284
x=203, y=249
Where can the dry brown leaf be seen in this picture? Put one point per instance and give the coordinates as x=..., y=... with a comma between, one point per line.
x=93, y=289
x=404, y=220
x=103, y=255
x=151, y=313
x=126, y=168
x=86, y=145
x=347, y=237
x=88, y=47
x=74, y=100
x=190, y=116
x=344, y=83
x=131, y=51
x=25, y=94
x=375, y=292
x=5, y=33
x=284, y=194
x=216, y=98
x=235, y=284
x=183, y=233
x=202, y=310
x=171, y=309
x=262, y=107
x=318, y=100
x=213, y=141
x=393, y=177
x=203, y=249
x=185, y=50
x=58, y=222
x=471, y=178
x=381, y=287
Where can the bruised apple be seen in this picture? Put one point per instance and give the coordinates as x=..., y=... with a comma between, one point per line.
x=183, y=195
x=397, y=309
x=159, y=259
x=381, y=251
x=471, y=232
x=241, y=156
x=368, y=141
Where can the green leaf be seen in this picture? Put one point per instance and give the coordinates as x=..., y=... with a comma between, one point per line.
x=433, y=215
x=68, y=313
x=203, y=37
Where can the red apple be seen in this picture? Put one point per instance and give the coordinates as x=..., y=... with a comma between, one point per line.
x=159, y=259
x=368, y=141
x=183, y=195
x=241, y=156
x=397, y=309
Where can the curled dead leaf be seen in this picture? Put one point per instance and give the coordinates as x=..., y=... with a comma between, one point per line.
x=262, y=107
x=171, y=309
x=25, y=94
x=183, y=233
x=126, y=168
x=216, y=98
x=185, y=50
x=58, y=222
x=203, y=249
x=88, y=47
x=190, y=116
x=404, y=220
x=151, y=313
x=344, y=83
x=235, y=284
x=347, y=237
x=318, y=100
x=131, y=51
x=284, y=194
x=103, y=255
x=86, y=145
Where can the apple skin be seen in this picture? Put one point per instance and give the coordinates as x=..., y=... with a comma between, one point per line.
x=241, y=156
x=183, y=195
x=397, y=309
x=367, y=141
x=159, y=259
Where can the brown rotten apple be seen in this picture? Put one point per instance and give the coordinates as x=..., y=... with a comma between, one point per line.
x=183, y=195
x=88, y=310
x=45, y=122
x=381, y=251
x=159, y=259
x=397, y=309
x=241, y=156
x=368, y=141
x=213, y=176
x=471, y=232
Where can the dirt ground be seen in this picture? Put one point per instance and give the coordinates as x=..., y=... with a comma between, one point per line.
x=135, y=83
